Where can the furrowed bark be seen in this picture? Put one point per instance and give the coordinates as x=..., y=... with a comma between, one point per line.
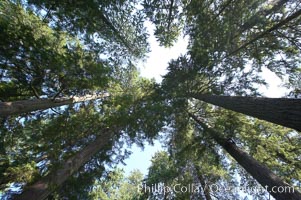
x=270, y=181
x=282, y=111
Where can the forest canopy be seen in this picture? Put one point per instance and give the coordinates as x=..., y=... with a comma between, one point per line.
x=72, y=99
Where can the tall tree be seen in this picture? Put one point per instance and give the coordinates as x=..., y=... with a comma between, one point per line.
x=59, y=49
x=52, y=50
x=283, y=111
x=44, y=58
x=260, y=172
x=133, y=110
x=45, y=142
x=256, y=48
x=44, y=187
x=190, y=160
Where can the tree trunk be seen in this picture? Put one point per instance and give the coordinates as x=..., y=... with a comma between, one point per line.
x=273, y=28
x=203, y=183
x=205, y=188
x=44, y=187
x=276, y=5
x=270, y=181
x=282, y=111
x=24, y=106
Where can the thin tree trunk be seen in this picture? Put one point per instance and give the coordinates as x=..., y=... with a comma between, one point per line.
x=170, y=14
x=276, y=5
x=24, y=106
x=270, y=181
x=282, y=111
x=44, y=187
x=205, y=188
x=223, y=8
x=273, y=28
x=203, y=184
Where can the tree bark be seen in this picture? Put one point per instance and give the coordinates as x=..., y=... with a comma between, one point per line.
x=44, y=187
x=270, y=181
x=282, y=111
x=24, y=106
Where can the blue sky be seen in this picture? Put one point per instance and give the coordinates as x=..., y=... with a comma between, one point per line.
x=154, y=67
x=158, y=58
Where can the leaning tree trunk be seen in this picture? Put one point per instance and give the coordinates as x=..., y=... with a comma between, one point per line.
x=270, y=181
x=24, y=106
x=283, y=111
x=44, y=187
x=273, y=7
x=269, y=30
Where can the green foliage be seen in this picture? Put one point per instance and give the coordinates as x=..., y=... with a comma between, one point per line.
x=38, y=60
x=42, y=57
x=275, y=146
x=116, y=186
x=161, y=170
x=135, y=106
x=167, y=18
x=48, y=142
x=161, y=173
x=112, y=28
x=229, y=46
x=192, y=159
x=25, y=173
x=222, y=44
